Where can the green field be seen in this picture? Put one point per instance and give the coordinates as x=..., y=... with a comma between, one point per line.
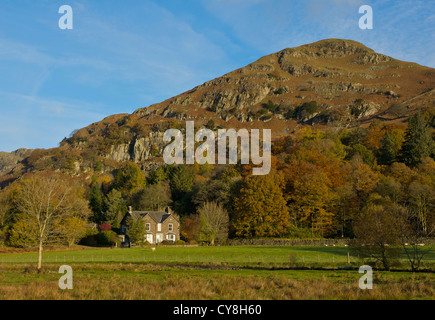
x=282, y=255
x=227, y=272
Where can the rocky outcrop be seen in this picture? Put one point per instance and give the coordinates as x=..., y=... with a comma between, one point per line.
x=140, y=149
x=9, y=160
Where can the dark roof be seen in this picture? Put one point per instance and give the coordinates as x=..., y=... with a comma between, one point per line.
x=157, y=216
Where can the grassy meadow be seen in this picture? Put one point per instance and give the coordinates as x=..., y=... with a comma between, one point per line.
x=227, y=272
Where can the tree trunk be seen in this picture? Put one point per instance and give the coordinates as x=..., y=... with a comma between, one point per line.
x=40, y=255
x=384, y=258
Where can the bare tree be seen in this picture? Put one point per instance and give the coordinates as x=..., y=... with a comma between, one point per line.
x=43, y=203
x=214, y=220
x=377, y=233
x=412, y=235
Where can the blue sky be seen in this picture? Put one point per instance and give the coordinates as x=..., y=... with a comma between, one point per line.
x=124, y=55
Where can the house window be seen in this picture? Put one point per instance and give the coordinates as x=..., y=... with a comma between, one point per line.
x=159, y=227
x=171, y=227
x=148, y=227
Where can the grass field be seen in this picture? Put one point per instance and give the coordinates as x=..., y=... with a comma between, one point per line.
x=245, y=272
x=280, y=255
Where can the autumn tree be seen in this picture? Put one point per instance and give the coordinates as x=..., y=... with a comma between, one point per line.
x=422, y=201
x=377, y=231
x=362, y=179
x=260, y=209
x=312, y=202
x=214, y=222
x=44, y=204
x=190, y=227
x=391, y=144
x=129, y=179
x=412, y=235
x=153, y=197
x=71, y=230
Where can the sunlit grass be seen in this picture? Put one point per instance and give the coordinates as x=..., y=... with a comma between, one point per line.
x=303, y=255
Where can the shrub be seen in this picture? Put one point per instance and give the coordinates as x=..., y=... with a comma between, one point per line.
x=210, y=125
x=272, y=107
x=310, y=107
x=90, y=238
x=301, y=233
x=398, y=110
x=180, y=242
x=167, y=242
x=107, y=238
x=105, y=227
x=280, y=91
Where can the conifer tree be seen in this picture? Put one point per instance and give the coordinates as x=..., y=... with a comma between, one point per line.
x=418, y=142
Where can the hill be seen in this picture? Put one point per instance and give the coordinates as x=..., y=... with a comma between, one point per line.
x=332, y=83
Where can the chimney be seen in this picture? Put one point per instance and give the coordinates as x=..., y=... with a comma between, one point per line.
x=168, y=210
x=130, y=209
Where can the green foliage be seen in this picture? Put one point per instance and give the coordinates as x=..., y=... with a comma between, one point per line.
x=129, y=179
x=136, y=230
x=355, y=136
x=158, y=175
x=96, y=204
x=214, y=222
x=418, y=142
x=271, y=107
x=153, y=197
x=89, y=238
x=181, y=180
x=377, y=231
x=294, y=232
x=210, y=124
x=108, y=238
x=214, y=190
x=366, y=155
x=310, y=107
x=357, y=108
x=115, y=208
x=98, y=166
x=388, y=151
x=281, y=90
